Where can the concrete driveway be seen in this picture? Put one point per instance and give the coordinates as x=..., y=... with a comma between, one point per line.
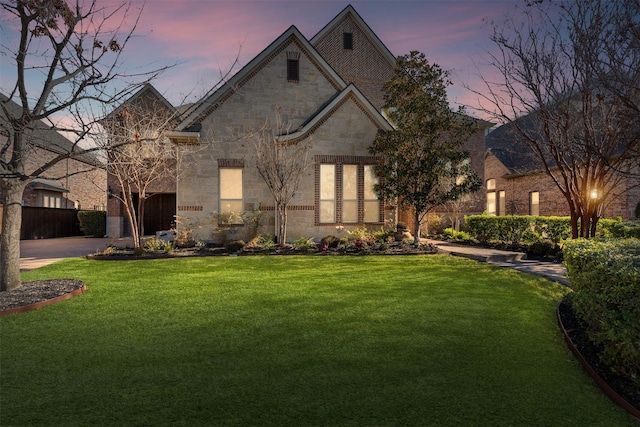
x=38, y=253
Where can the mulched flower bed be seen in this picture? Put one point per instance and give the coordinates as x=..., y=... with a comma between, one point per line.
x=623, y=386
x=395, y=248
x=39, y=291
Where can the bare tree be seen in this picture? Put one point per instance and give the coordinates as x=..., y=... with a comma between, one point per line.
x=140, y=157
x=559, y=106
x=281, y=161
x=67, y=58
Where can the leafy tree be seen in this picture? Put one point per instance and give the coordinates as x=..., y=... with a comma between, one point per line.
x=281, y=162
x=422, y=162
x=65, y=57
x=568, y=85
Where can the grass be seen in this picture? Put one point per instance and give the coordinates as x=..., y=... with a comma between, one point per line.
x=336, y=341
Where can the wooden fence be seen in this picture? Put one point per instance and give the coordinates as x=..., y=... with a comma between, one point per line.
x=47, y=223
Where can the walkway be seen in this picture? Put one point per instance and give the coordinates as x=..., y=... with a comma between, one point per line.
x=38, y=253
x=549, y=270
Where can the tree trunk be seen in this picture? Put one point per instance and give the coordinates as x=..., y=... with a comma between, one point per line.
x=12, y=190
x=574, y=225
x=416, y=226
x=140, y=219
x=281, y=221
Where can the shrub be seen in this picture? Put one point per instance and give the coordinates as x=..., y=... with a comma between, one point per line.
x=264, y=241
x=605, y=276
x=618, y=229
x=93, y=223
x=448, y=232
x=331, y=241
x=363, y=234
x=384, y=236
x=154, y=245
x=303, y=244
x=359, y=244
x=543, y=248
x=483, y=228
x=233, y=246
x=184, y=230
x=322, y=246
x=554, y=228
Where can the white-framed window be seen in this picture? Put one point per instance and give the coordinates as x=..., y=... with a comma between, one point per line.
x=327, y=193
x=231, y=196
x=534, y=203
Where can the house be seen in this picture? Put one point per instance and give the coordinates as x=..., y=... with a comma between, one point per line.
x=328, y=90
x=73, y=183
x=147, y=107
x=516, y=183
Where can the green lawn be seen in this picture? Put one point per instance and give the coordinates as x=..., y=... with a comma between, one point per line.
x=294, y=341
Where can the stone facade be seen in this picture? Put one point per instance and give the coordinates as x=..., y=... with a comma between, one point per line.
x=334, y=101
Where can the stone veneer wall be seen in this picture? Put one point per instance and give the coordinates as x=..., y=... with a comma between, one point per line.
x=347, y=132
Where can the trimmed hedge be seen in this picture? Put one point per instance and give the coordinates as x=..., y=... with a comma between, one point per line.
x=515, y=229
x=605, y=277
x=93, y=223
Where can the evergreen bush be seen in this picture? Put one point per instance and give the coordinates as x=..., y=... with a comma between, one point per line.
x=93, y=223
x=605, y=277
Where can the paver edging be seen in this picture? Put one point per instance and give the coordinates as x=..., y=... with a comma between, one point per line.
x=36, y=306
x=602, y=384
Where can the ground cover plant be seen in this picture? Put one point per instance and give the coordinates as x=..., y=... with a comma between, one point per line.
x=296, y=340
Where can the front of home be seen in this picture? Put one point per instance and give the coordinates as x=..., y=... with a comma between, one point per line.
x=293, y=76
x=328, y=93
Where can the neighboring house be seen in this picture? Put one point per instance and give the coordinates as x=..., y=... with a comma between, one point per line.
x=329, y=90
x=160, y=208
x=516, y=183
x=78, y=183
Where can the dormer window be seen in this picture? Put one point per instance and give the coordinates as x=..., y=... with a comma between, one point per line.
x=293, y=67
x=347, y=41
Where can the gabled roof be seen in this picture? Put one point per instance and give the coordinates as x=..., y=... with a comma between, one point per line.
x=349, y=11
x=509, y=146
x=148, y=87
x=212, y=100
x=350, y=92
x=42, y=135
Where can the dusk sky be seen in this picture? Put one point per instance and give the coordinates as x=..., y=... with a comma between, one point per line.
x=203, y=37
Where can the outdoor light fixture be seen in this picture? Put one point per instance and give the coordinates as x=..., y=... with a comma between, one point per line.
x=593, y=194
